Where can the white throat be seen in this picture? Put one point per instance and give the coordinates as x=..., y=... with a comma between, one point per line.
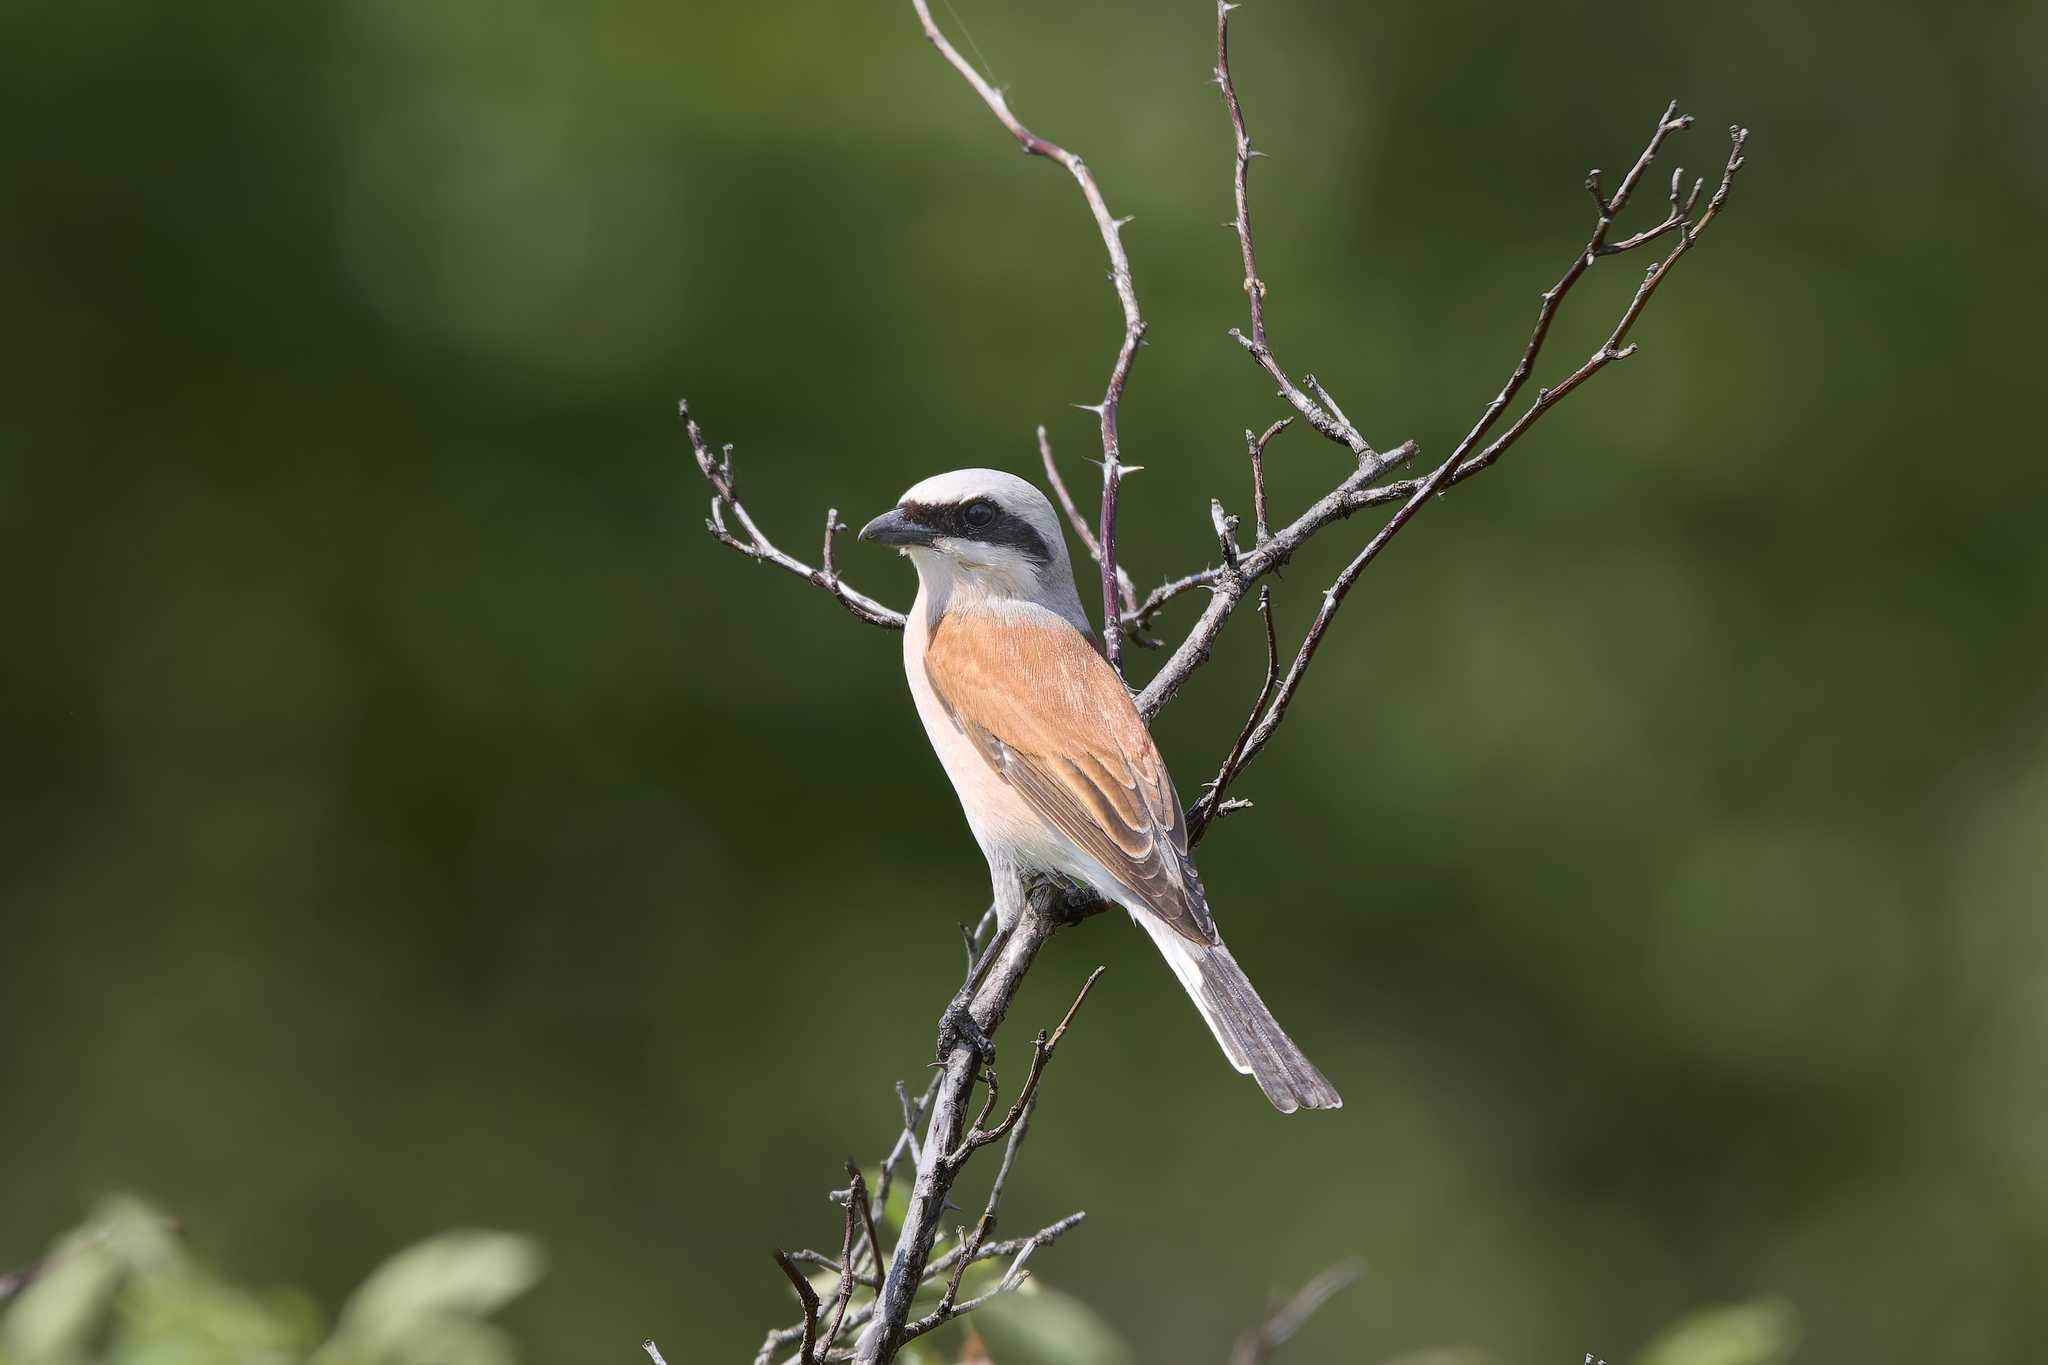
x=966, y=576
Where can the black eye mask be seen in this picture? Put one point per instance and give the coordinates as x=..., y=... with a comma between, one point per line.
x=984, y=521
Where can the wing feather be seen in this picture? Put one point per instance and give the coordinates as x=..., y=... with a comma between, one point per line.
x=1053, y=719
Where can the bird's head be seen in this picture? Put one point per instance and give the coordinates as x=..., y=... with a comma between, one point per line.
x=983, y=535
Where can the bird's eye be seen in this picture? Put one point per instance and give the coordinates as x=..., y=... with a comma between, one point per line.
x=980, y=514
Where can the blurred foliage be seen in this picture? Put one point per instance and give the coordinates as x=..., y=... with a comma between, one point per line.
x=1032, y=1325
x=1762, y=1333
x=121, y=1290
x=409, y=819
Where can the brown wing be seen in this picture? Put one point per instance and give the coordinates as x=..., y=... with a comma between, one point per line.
x=1053, y=719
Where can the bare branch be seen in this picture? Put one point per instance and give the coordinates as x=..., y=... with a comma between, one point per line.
x=906, y=1141
x=1333, y=598
x=1127, y=592
x=1059, y=488
x=1227, y=587
x=1166, y=592
x=970, y=1249
x=1041, y=1053
x=994, y=984
x=856, y=1205
x=1253, y=1346
x=718, y=471
x=1211, y=803
x=1670, y=123
x=824, y=1262
x=808, y=1297
x=1012, y=1277
x=1111, y=228
x=1256, y=446
x=653, y=1351
x=1325, y=420
x=1612, y=349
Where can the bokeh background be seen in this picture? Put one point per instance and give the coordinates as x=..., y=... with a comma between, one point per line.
x=409, y=818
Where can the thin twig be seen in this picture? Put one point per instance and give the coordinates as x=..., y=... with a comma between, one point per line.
x=1211, y=803
x=1257, y=447
x=1012, y=1277
x=824, y=1262
x=1254, y=1345
x=1127, y=592
x=653, y=1351
x=717, y=470
x=1041, y=1053
x=832, y=526
x=1596, y=247
x=1227, y=588
x=1612, y=349
x=808, y=1297
x=1059, y=488
x=1356, y=493
x=1329, y=421
x=1166, y=592
x=1111, y=228
x=856, y=1204
x=912, y=1112
x=1333, y=598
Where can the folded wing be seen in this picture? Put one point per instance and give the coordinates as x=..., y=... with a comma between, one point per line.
x=1053, y=718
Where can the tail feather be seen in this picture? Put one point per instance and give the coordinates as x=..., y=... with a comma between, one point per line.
x=1247, y=1031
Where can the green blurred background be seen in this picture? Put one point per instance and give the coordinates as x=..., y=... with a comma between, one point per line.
x=409, y=818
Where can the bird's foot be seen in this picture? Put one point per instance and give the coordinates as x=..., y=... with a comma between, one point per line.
x=957, y=1026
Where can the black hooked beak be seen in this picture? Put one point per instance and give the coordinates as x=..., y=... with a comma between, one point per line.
x=898, y=527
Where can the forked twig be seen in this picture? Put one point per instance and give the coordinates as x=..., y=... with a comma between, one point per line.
x=717, y=470
x=1041, y=1053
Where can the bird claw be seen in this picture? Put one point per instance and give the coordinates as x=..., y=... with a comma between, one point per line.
x=957, y=1026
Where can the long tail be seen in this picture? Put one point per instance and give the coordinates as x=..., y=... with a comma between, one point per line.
x=1249, y=1034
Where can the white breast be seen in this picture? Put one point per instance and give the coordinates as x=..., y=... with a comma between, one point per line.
x=1006, y=826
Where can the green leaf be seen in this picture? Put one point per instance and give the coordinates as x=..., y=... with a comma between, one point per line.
x=422, y=1307
x=57, y=1318
x=1764, y=1332
x=1041, y=1326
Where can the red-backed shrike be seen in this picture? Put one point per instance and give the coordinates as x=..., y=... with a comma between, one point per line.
x=1053, y=764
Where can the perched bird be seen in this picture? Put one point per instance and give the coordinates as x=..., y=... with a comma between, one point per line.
x=1052, y=762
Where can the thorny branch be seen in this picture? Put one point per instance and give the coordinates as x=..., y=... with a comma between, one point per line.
x=1126, y=591
x=950, y=1140
x=1111, y=227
